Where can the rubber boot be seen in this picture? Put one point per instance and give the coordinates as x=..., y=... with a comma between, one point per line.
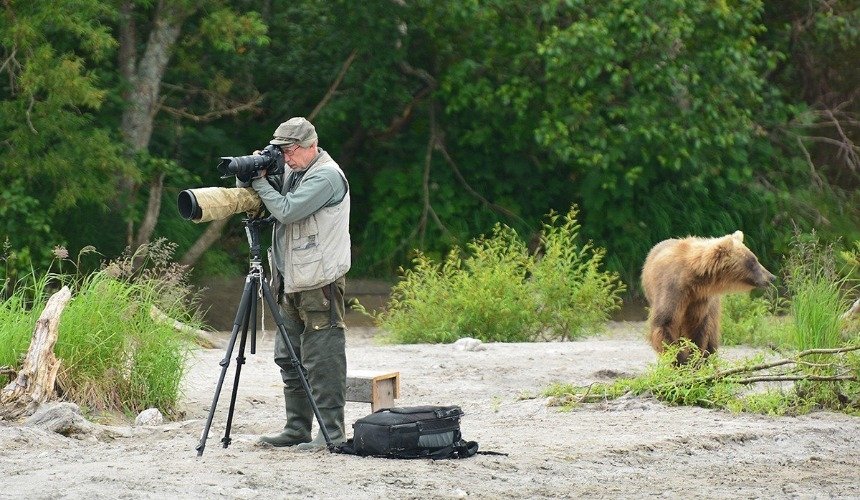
x=333, y=419
x=298, y=427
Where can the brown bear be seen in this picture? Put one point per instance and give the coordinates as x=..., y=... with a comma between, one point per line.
x=683, y=280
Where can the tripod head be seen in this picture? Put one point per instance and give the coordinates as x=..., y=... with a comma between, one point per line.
x=252, y=230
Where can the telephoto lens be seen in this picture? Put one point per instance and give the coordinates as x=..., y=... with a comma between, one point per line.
x=214, y=203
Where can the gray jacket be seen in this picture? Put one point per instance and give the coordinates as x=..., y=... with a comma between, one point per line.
x=310, y=241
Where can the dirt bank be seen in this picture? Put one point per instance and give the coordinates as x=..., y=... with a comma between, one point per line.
x=627, y=448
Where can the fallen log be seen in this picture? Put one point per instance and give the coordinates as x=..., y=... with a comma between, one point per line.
x=35, y=381
x=854, y=310
x=203, y=338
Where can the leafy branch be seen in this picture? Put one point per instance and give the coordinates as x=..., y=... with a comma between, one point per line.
x=703, y=383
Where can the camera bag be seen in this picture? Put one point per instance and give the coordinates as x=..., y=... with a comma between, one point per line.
x=410, y=432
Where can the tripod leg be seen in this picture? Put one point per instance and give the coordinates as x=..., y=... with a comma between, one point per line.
x=254, y=318
x=297, y=364
x=241, y=313
x=250, y=312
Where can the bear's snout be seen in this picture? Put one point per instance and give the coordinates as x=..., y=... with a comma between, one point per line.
x=766, y=278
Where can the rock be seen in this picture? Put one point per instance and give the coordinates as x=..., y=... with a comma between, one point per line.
x=150, y=416
x=469, y=344
x=62, y=418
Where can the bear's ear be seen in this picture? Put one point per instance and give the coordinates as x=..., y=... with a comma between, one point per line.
x=722, y=248
x=738, y=236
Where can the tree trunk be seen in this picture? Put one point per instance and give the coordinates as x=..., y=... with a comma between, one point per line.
x=138, y=117
x=142, y=99
x=210, y=236
x=153, y=207
x=35, y=382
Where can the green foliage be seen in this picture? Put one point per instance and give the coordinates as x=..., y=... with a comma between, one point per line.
x=499, y=292
x=18, y=315
x=675, y=385
x=483, y=296
x=114, y=355
x=818, y=293
x=832, y=382
x=55, y=153
x=851, y=259
x=747, y=319
x=657, y=118
x=573, y=293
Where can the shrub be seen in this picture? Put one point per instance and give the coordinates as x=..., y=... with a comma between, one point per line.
x=573, y=295
x=500, y=292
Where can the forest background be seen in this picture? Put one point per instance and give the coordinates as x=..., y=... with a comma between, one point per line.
x=657, y=118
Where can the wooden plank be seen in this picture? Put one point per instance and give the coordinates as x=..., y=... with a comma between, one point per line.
x=378, y=388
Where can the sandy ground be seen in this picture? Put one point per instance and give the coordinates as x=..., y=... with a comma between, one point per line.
x=629, y=448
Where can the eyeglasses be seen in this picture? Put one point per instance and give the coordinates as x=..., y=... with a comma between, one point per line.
x=290, y=151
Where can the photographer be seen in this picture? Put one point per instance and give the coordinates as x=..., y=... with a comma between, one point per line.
x=311, y=254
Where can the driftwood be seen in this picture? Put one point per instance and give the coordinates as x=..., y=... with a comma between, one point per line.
x=204, y=338
x=35, y=381
x=854, y=310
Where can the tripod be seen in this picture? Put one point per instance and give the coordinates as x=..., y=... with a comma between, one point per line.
x=245, y=315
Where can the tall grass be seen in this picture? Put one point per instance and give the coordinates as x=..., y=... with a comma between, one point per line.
x=18, y=315
x=114, y=355
x=818, y=293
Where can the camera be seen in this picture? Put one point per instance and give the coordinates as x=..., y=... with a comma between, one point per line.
x=245, y=168
x=213, y=203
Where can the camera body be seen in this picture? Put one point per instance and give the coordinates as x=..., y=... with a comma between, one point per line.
x=245, y=168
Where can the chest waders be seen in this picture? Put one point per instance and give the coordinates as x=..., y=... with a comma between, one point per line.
x=314, y=324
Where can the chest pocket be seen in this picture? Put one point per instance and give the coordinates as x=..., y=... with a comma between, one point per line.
x=306, y=263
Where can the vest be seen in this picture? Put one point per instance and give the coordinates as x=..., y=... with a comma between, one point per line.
x=317, y=249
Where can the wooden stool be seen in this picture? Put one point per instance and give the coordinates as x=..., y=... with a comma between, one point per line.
x=378, y=388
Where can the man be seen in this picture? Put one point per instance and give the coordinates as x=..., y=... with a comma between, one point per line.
x=311, y=254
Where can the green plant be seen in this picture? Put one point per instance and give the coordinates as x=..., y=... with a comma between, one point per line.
x=716, y=383
x=851, y=260
x=747, y=319
x=817, y=291
x=500, y=292
x=482, y=296
x=573, y=293
x=114, y=355
x=18, y=315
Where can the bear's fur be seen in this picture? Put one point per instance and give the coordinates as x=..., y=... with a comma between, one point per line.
x=683, y=280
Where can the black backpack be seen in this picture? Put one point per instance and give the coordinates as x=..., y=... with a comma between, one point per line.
x=410, y=432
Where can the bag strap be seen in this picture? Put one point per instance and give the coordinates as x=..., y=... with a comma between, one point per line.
x=465, y=449
x=460, y=449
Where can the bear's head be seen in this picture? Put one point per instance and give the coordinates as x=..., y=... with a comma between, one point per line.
x=730, y=266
